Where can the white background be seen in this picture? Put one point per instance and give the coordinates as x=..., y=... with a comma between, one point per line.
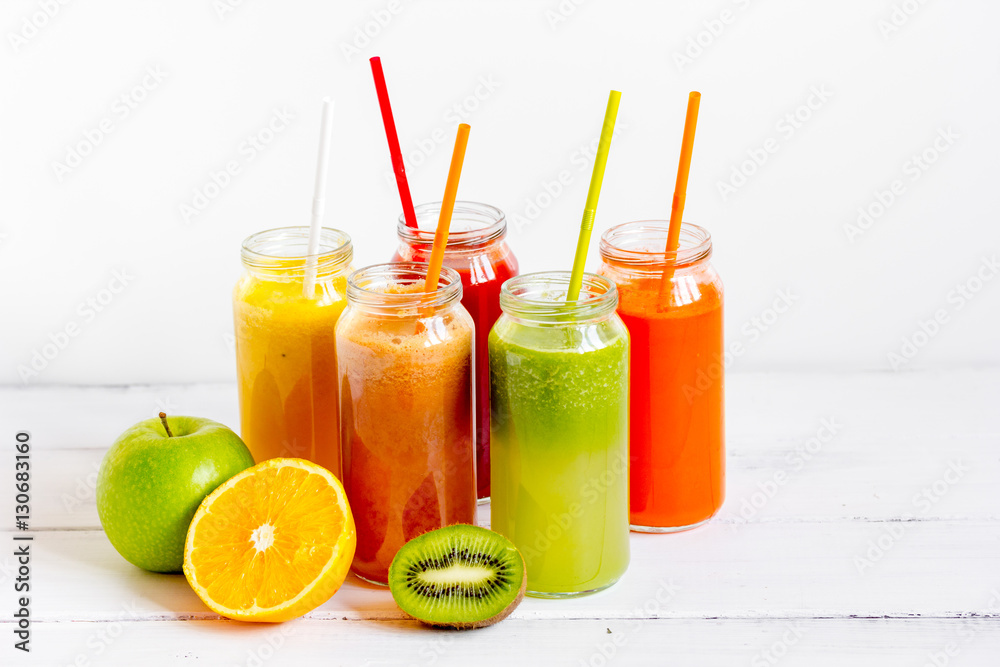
x=853, y=300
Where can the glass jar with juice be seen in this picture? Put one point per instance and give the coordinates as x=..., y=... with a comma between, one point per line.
x=406, y=388
x=559, y=422
x=477, y=249
x=285, y=356
x=671, y=303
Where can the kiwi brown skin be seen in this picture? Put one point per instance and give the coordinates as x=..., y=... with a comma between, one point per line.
x=488, y=621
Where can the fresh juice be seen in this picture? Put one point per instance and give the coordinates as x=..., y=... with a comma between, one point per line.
x=478, y=251
x=285, y=358
x=675, y=402
x=560, y=449
x=677, y=424
x=406, y=397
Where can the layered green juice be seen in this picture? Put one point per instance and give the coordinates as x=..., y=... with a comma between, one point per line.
x=559, y=450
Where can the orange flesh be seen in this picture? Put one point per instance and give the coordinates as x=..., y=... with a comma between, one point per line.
x=295, y=532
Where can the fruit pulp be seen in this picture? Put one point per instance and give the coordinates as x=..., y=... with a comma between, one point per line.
x=560, y=452
x=407, y=429
x=482, y=276
x=287, y=368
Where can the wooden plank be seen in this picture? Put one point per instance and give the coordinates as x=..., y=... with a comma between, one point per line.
x=594, y=643
x=782, y=570
x=840, y=480
x=763, y=409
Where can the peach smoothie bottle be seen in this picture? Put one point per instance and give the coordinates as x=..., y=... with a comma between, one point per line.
x=477, y=248
x=677, y=380
x=285, y=354
x=406, y=368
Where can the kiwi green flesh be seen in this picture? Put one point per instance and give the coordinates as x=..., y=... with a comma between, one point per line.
x=460, y=576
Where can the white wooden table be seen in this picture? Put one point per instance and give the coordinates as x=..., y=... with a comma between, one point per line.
x=860, y=528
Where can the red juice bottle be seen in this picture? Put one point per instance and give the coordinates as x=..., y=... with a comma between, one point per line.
x=477, y=249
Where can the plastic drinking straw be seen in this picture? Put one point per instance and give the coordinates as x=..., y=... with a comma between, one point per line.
x=447, y=208
x=680, y=188
x=590, y=210
x=319, y=198
x=390, y=134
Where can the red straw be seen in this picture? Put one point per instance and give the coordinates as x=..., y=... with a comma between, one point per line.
x=390, y=133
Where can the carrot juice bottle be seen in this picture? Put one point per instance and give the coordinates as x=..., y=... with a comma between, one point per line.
x=671, y=303
x=405, y=360
x=477, y=249
x=285, y=358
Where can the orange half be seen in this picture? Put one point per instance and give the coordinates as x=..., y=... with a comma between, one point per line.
x=272, y=543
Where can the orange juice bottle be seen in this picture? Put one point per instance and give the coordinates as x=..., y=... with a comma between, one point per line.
x=671, y=303
x=285, y=352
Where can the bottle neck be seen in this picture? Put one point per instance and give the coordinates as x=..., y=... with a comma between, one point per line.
x=474, y=227
x=283, y=253
x=540, y=299
x=641, y=246
x=397, y=290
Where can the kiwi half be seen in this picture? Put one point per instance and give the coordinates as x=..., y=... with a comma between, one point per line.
x=460, y=576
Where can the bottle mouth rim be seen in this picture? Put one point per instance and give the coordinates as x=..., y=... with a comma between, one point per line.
x=268, y=250
x=366, y=287
x=472, y=224
x=541, y=297
x=642, y=244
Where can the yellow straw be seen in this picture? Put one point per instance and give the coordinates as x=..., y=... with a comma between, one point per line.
x=447, y=208
x=590, y=211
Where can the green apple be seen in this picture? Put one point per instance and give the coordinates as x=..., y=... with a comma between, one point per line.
x=154, y=477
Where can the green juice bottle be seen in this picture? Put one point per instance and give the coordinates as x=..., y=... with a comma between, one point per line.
x=559, y=432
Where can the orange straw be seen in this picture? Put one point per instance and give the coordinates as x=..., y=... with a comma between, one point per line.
x=447, y=208
x=683, y=167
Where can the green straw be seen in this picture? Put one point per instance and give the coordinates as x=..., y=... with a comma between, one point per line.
x=590, y=212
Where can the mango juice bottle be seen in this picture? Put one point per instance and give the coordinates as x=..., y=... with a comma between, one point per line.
x=671, y=303
x=407, y=369
x=559, y=427
x=285, y=351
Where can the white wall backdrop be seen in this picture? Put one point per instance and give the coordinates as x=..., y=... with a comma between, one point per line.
x=116, y=115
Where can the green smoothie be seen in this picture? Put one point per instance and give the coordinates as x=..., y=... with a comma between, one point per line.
x=559, y=447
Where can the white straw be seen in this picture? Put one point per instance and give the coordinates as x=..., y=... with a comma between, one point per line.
x=319, y=199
